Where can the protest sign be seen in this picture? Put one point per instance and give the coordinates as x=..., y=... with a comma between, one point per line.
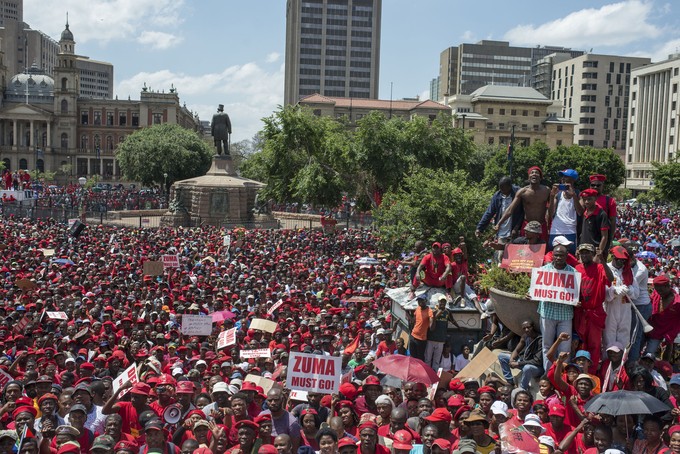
x=256, y=353
x=23, y=323
x=196, y=325
x=128, y=375
x=48, y=252
x=263, y=325
x=25, y=284
x=170, y=261
x=153, y=268
x=226, y=338
x=300, y=396
x=557, y=286
x=314, y=373
x=276, y=305
x=4, y=378
x=226, y=241
x=57, y=315
x=479, y=364
x=523, y=257
x=266, y=383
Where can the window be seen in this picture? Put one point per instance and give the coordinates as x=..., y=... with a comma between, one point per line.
x=491, y=140
x=23, y=164
x=109, y=118
x=40, y=165
x=501, y=125
x=501, y=111
x=122, y=118
x=559, y=128
x=135, y=119
x=157, y=118
x=84, y=117
x=64, y=83
x=64, y=106
x=109, y=143
x=472, y=124
x=84, y=142
x=513, y=112
x=489, y=111
x=559, y=142
x=525, y=113
x=97, y=118
x=64, y=141
x=536, y=113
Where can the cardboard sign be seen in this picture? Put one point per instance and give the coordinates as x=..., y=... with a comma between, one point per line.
x=256, y=353
x=226, y=241
x=170, y=261
x=153, y=268
x=522, y=258
x=4, y=378
x=23, y=323
x=263, y=325
x=128, y=375
x=554, y=285
x=196, y=325
x=48, y=252
x=72, y=221
x=57, y=315
x=226, y=338
x=266, y=383
x=314, y=373
x=25, y=284
x=275, y=306
x=479, y=364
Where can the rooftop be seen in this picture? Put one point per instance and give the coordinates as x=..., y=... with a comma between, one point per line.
x=506, y=93
x=377, y=104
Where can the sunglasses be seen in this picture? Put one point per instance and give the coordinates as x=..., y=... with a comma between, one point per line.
x=595, y=185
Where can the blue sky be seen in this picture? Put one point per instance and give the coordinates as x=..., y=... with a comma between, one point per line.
x=231, y=52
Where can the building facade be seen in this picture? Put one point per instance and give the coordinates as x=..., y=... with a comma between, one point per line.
x=491, y=112
x=332, y=48
x=355, y=109
x=45, y=124
x=467, y=67
x=652, y=120
x=594, y=90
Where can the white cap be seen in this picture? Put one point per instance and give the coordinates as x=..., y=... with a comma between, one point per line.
x=200, y=361
x=499, y=408
x=613, y=451
x=220, y=387
x=177, y=371
x=533, y=420
x=380, y=331
x=69, y=360
x=561, y=239
x=547, y=440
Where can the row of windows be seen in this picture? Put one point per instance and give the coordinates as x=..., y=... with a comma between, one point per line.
x=497, y=57
x=525, y=113
x=97, y=117
x=310, y=61
x=497, y=66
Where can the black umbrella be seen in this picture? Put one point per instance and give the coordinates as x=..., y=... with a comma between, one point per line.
x=625, y=403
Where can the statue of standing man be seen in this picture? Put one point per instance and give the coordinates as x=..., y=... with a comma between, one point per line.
x=220, y=128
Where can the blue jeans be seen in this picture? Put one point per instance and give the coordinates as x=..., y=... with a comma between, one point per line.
x=528, y=371
x=550, y=330
x=653, y=345
x=637, y=344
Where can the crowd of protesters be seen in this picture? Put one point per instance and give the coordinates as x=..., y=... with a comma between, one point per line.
x=77, y=312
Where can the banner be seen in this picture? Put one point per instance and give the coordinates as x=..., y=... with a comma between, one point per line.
x=314, y=373
x=523, y=257
x=4, y=378
x=556, y=286
x=128, y=375
x=170, y=261
x=23, y=323
x=57, y=315
x=196, y=325
x=275, y=306
x=226, y=338
x=256, y=353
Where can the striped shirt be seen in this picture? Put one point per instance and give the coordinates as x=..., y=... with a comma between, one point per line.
x=555, y=311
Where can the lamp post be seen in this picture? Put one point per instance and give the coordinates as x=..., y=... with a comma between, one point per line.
x=463, y=116
x=81, y=182
x=165, y=183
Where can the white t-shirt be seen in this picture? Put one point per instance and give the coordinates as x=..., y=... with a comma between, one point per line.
x=564, y=222
x=461, y=362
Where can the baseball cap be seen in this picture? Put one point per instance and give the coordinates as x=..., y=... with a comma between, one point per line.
x=547, y=440
x=675, y=380
x=557, y=410
x=583, y=354
x=499, y=408
x=569, y=173
x=402, y=440
x=466, y=446
x=563, y=240
x=615, y=347
x=439, y=414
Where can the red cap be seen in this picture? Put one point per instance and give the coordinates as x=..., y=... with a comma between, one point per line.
x=436, y=244
x=661, y=280
x=442, y=443
x=368, y=425
x=372, y=380
x=247, y=423
x=456, y=385
x=531, y=169
x=402, y=440
x=126, y=445
x=185, y=387
x=589, y=193
x=249, y=386
x=455, y=401
x=620, y=252
x=598, y=177
x=557, y=410
x=267, y=449
x=486, y=389
x=439, y=414
x=346, y=442
x=348, y=390
x=141, y=388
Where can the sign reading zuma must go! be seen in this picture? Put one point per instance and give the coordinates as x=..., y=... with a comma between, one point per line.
x=314, y=373
x=554, y=285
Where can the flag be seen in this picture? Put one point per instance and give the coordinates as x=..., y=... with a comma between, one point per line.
x=511, y=145
x=26, y=433
x=351, y=348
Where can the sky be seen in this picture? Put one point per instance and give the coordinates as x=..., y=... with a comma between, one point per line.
x=231, y=52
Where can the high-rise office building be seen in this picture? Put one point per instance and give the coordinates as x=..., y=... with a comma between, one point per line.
x=467, y=67
x=332, y=48
x=593, y=90
x=653, y=120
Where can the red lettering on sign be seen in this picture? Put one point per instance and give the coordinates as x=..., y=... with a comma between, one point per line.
x=296, y=366
x=539, y=278
x=570, y=281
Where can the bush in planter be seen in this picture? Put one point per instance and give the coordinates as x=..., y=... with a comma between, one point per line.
x=501, y=279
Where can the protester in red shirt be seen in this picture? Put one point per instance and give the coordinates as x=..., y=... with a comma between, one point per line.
x=665, y=318
x=436, y=266
x=129, y=411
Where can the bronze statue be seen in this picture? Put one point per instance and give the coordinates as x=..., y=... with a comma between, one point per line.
x=220, y=128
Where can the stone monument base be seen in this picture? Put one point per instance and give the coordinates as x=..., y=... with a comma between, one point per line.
x=220, y=198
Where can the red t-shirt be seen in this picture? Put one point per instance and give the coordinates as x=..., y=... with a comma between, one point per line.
x=610, y=208
x=593, y=286
x=130, y=418
x=434, y=267
x=558, y=436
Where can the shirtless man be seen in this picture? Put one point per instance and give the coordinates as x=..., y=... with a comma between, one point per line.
x=534, y=199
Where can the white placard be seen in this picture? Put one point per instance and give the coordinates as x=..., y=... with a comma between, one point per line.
x=256, y=353
x=196, y=325
x=314, y=373
x=128, y=375
x=557, y=286
x=170, y=261
x=226, y=241
x=226, y=338
x=299, y=396
x=57, y=315
x=275, y=306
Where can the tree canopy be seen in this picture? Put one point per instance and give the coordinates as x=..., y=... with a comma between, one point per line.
x=667, y=181
x=148, y=153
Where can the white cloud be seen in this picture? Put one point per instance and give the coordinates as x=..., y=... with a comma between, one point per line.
x=247, y=91
x=273, y=57
x=611, y=25
x=468, y=36
x=664, y=50
x=102, y=20
x=159, y=40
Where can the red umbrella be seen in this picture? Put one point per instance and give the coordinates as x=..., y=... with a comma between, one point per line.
x=222, y=316
x=407, y=368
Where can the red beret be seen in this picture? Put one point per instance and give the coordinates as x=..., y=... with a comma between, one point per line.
x=589, y=193
x=661, y=280
x=598, y=177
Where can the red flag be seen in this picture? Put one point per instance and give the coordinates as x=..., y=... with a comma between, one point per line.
x=351, y=348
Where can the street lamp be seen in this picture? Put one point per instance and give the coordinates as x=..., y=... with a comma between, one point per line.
x=463, y=116
x=81, y=182
x=165, y=184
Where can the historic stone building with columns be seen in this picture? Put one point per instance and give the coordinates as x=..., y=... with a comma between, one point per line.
x=46, y=124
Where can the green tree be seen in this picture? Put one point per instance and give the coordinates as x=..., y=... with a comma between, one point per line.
x=432, y=205
x=150, y=152
x=586, y=161
x=667, y=181
x=523, y=158
x=305, y=158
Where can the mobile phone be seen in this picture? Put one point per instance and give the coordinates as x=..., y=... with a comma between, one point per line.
x=563, y=187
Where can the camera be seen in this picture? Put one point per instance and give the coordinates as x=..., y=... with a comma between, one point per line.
x=563, y=187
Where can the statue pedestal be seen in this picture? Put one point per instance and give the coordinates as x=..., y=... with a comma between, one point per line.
x=220, y=198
